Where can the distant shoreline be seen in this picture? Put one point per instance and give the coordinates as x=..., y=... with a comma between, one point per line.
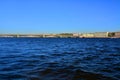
x=67, y=35
x=57, y=37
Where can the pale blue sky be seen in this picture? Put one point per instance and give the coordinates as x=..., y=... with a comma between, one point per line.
x=58, y=16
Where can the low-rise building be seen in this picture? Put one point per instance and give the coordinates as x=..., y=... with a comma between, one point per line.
x=75, y=34
x=88, y=35
x=117, y=34
x=101, y=34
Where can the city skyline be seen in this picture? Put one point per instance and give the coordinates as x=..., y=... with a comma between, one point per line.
x=59, y=16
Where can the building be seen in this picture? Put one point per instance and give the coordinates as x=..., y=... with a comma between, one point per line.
x=75, y=34
x=117, y=34
x=101, y=34
x=88, y=35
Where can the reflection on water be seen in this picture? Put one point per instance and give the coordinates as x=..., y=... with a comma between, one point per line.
x=59, y=59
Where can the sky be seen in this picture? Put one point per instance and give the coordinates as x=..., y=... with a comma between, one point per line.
x=59, y=16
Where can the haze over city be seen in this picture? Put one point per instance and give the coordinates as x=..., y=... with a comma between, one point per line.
x=59, y=16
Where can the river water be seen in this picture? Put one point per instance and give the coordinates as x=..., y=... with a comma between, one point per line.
x=59, y=59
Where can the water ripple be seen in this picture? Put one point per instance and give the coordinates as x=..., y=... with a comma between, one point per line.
x=59, y=59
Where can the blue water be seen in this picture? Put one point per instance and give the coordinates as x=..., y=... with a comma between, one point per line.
x=59, y=59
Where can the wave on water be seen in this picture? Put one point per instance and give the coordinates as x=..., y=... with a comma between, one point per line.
x=59, y=59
